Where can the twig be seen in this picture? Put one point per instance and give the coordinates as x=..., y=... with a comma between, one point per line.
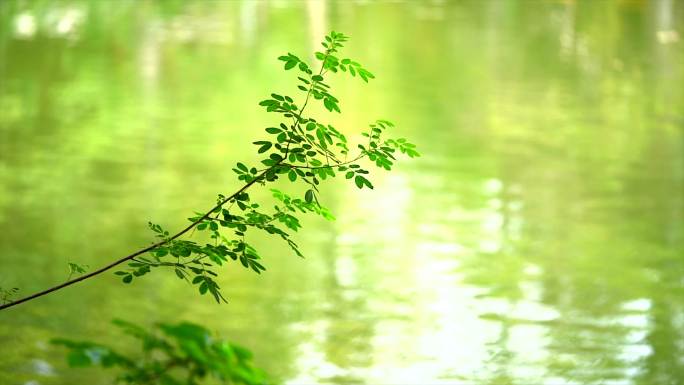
x=139, y=252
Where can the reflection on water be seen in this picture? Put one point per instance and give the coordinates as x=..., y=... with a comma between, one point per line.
x=539, y=240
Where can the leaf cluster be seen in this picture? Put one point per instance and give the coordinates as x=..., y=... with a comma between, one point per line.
x=75, y=268
x=300, y=149
x=7, y=294
x=172, y=354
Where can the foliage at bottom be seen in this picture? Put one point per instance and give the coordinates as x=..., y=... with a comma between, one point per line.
x=174, y=354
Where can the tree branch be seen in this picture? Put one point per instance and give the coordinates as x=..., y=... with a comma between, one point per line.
x=297, y=118
x=141, y=251
x=326, y=166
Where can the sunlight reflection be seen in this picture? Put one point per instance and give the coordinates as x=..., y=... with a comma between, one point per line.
x=537, y=237
x=25, y=25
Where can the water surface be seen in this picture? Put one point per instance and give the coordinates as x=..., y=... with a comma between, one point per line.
x=539, y=240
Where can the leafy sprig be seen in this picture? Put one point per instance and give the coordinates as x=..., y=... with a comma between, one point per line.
x=7, y=294
x=75, y=268
x=173, y=354
x=300, y=149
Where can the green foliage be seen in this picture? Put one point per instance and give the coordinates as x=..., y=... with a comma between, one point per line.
x=75, y=268
x=174, y=354
x=301, y=150
x=7, y=294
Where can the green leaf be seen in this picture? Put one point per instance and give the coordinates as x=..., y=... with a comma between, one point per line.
x=292, y=175
x=79, y=358
x=179, y=273
x=361, y=181
x=76, y=268
x=328, y=104
x=309, y=196
x=290, y=64
x=264, y=146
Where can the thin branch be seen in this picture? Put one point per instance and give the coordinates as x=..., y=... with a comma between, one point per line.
x=326, y=166
x=220, y=204
x=139, y=252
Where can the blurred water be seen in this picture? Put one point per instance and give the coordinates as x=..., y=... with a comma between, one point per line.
x=540, y=239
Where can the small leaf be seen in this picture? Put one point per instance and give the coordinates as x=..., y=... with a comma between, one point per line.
x=264, y=146
x=179, y=273
x=361, y=181
x=79, y=358
x=328, y=104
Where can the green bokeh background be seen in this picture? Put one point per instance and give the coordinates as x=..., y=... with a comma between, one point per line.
x=539, y=240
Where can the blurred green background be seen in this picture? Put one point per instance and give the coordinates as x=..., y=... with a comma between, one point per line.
x=539, y=240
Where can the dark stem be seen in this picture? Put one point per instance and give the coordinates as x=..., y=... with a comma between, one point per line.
x=139, y=252
x=326, y=166
x=180, y=233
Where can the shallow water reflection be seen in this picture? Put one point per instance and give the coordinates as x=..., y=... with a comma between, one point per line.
x=538, y=240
